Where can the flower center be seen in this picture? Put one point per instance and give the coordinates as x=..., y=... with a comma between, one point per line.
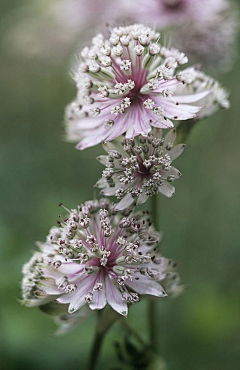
x=173, y=4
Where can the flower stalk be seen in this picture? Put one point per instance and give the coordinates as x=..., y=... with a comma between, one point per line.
x=152, y=304
x=105, y=320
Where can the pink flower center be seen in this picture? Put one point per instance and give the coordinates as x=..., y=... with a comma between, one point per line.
x=173, y=4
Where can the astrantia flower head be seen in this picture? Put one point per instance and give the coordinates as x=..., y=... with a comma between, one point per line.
x=140, y=168
x=164, y=13
x=97, y=256
x=128, y=84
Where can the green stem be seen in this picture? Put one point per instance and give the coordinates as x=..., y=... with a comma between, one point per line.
x=152, y=305
x=95, y=351
x=105, y=320
x=183, y=130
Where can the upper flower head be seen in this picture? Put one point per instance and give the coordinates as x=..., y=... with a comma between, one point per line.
x=140, y=168
x=127, y=84
x=97, y=256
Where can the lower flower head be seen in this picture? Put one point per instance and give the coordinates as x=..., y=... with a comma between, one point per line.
x=97, y=256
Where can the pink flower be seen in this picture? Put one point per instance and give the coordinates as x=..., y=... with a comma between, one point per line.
x=163, y=13
x=127, y=84
x=203, y=29
x=97, y=256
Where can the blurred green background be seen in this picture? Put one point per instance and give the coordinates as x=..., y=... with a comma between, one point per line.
x=198, y=331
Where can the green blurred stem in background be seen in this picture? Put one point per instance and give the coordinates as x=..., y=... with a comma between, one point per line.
x=105, y=319
x=183, y=130
x=152, y=304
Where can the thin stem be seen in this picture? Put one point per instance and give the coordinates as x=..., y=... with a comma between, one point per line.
x=105, y=320
x=152, y=305
x=183, y=130
x=95, y=351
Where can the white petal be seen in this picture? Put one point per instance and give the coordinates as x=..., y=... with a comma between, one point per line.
x=166, y=189
x=192, y=98
x=99, y=297
x=114, y=297
x=176, y=151
x=125, y=202
x=146, y=285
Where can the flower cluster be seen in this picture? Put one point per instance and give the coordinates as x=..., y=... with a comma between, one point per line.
x=137, y=169
x=98, y=256
x=129, y=83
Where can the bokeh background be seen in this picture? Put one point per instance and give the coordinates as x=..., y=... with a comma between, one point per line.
x=199, y=330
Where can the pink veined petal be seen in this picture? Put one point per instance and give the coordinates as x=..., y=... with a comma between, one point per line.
x=114, y=297
x=167, y=85
x=146, y=285
x=118, y=129
x=181, y=112
x=69, y=268
x=92, y=137
x=125, y=202
x=99, y=297
x=87, y=123
x=162, y=122
x=192, y=98
x=154, y=120
x=77, y=299
x=167, y=189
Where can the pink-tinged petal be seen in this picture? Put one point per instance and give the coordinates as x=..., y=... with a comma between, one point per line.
x=139, y=120
x=167, y=189
x=50, y=287
x=176, y=151
x=119, y=127
x=114, y=297
x=69, y=268
x=167, y=85
x=99, y=297
x=92, y=138
x=162, y=122
x=87, y=123
x=176, y=111
x=145, y=285
x=191, y=98
x=125, y=202
x=77, y=299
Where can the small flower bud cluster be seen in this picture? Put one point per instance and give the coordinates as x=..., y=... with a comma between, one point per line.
x=141, y=168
